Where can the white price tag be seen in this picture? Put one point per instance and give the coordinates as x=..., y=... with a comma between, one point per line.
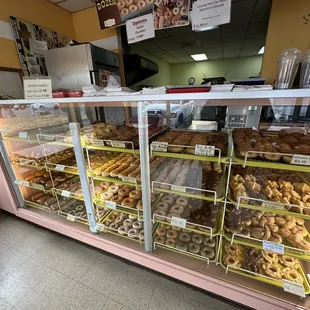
x=71, y=217
x=110, y=204
x=37, y=88
x=159, y=146
x=129, y=179
x=65, y=193
x=4, y=130
x=177, y=188
x=204, y=150
x=49, y=138
x=98, y=142
x=178, y=222
x=271, y=205
x=273, y=247
x=26, y=183
x=60, y=167
x=294, y=288
x=303, y=160
x=119, y=144
x=18, y=182
x=23, y=135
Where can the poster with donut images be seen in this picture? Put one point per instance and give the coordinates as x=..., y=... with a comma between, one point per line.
x=171, y=13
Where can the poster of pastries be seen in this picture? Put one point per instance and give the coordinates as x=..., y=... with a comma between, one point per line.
x=121, y=11
x=27, y=36
x=171, y=13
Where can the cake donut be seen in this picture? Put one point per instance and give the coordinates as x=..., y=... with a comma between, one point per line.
x=179, y=3
x=168, y=15
x=129, y=202
x=176, y=11
x=207, y=252
x=141, y=4
x=133, y=8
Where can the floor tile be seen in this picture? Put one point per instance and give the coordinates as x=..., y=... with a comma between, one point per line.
x=4, y=305
x=3, y=247
x=82, y=297
x=113, y=305
x=48, y=293
x=10, y=260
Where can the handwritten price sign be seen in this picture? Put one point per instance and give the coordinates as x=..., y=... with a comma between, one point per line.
x=204, y=150
x=301, y=160
x=159, y=146
x=178, y=222
x=273, y=247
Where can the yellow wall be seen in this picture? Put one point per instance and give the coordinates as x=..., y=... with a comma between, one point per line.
x=286, y=29
x=38, y=12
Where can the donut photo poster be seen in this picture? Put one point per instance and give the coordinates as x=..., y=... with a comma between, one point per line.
x=171, y=13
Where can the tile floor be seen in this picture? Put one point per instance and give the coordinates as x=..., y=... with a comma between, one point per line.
x=40, y=269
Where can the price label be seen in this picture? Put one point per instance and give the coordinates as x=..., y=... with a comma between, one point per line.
x=71, y=217
x=303, y=160
x=294, y=288
x=273, y=247
x=23, y=135
x=119, y=144
x=38, y=186
x=98, y=142
x=159, y=146
x=178, y=222
x=60, y=167
x=271, y=205
x=4, y=130
x=129, y=179
x=18, y=182
x=25, y=183
x=110, y=205
x=177, y=188
x=204, y=150
x=49, y=138
x=65, y=193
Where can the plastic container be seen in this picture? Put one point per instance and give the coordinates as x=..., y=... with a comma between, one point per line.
x=304, y=81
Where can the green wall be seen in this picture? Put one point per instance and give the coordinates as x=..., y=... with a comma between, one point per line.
x=235, y=68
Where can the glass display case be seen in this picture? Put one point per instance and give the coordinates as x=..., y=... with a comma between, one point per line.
x=192, y=185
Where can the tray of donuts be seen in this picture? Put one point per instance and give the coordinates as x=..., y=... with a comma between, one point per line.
x=198, y=216
x=185, y=242
x=273, y=148
x=251, y=227
x=70, y=188
x=262, y=265
x=75, y=211
x=186, y=141
x=124, y=225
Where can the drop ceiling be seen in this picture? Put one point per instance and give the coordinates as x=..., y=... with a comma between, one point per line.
x=74, y=5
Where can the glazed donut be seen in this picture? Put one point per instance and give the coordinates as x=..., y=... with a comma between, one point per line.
x=136, y=194
x=181, y=246
x=280, y=221
x=170, y=242
x=292, y=275
x=141, y=4
x=185, y=236
x=209, y=242
x=106, y=196
x=250, y=265
x=117, y=199
x=139, y=205
x=160, y=231
x=171, y=234
x=303, y=244
x=120, y=4
x=128, y=223
x=177, y=209
x=176, y=11
x=207, y=252
x=257, y=233
x=113, y=189
x=193, y=247
x=183, y=11
x=141, y=235
x=232, y=249
x=105, y=185
x=179, y=3
x=124, y=11
x=129, y=202
x=114, y=226
x=284, y=233
x=275, y=238
x=182, y=201
x=168, y=200
x=128, y=3
x=123, y=230
x=230, y=260
x=270, y=257
x=272, y=271
x=137, y=225
x=162, y=206
x=132, y=8
x=123, y=192
x=160, y=239
x=288, y=261
x=197, y=238
x=133, y=233
x=160, y=212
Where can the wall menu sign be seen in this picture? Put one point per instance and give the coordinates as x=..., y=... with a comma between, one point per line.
x=113, y=13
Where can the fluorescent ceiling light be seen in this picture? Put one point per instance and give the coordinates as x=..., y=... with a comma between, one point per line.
x=206, y=28
x=199, y=57
x=261, y=51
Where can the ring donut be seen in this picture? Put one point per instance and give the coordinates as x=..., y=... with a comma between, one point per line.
x=232, y=249
x=128, y=223
x=181, y=246
x=141, y=235
x=193, y=247
x=137, y=225
x=136, y=194
x=182, y=201
x=272, y=271
x=123, y=192
x=197, y=238
x=177, y=209
x=168, y=15
x=270, y=257
x=171, y=234
x=160, y=213
x=133, y=8
x=288, y=261
x=230, y=260
x=170, y=242
x=123, y=230
x=162, y=206
x=292, y=275
x=139, y=205
x=176, y=11
x=120, y=4
x=185, y=236
x=129, y=202
x=207, y=252
x=113, y=189
x=160, y=239
x=168, y=200
x=179, y=3
x=133, y=233
x=160, y=231
x=141, y=4
x=105, y=185
x=209, y=242
x=128, y=3
x=106, y=196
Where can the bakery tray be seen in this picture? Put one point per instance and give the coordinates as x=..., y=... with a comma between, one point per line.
x=32, y=185
x=116, y=180
x=175, y=250
x=100, y=145
x=260, y=277
x=40, y=207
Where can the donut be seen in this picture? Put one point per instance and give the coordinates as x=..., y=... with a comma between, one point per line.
x=284, y=233
x=170, y=242
x=183, y=11
x=179, y=3
x=132, y=217
x=177, y=209
x=207, y=252
x=139, y=205
x=106, y=196
x=136, y=194
x=132, y=8
x=182, y=201
x=270, y=257
x=79, y=208
x=123, y=230
x=230, y=260
x=168, y=200
x=137, y=225
x=303, y=244
x=123, y=192
x=181, y=246
x=197, y=238
x=141, y=4
x=209, y=242
x=162, y=206
x=159, y=239
x=117, y=199
x=193, y=247
x=280, y=221
x=250, y=265
x=158, y=2
x=272, y=271
x=141, y=235
x=168, y=16
x=166, y=226
x=275, y=238
x=292, y=275
x=176, y=11
x=129, y=202
x=160, y=231
x=185, y=236
x=133, y=233
x=120, y=4
x=160, y=213
x=288, y=261
x=128, y=223
x=233, y=249
x=128, y=3
x=171, y=234
x=113, y=189
x=176, y=19
x=124, y=11
x=257, y=232
x=149, y=2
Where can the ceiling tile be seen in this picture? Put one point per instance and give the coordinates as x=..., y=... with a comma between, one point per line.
x=162, y=54
x=255, y=42
x=210, y=35
x=167, y=43
x=186, y=59
x=212, y=46
x=249, y=52
x=215, y=55
x=177, y=53
x=195, y=50
x=232, y=45
x=257, y=30
x=76, y=5
x=233, y=33
x=172, y=60
x=232, y=54
x=179, y=31
x=149, y=47
x=262, y=11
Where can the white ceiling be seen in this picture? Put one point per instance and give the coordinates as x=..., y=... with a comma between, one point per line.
x=74, y=5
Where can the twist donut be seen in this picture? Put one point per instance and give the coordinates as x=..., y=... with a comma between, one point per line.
x=230, y=260
x=272, y=271
x=181, y=246
x=168, y=199
x=193, y=247
x=270, y=257
x=288, y=261
x=209, y=242
x=182, y=201
x=292, y=275
x=197, y=238
x=171, y=234
x=170, y=242
x=185, y=237
x=137, y=225
x=177, y=209
x=207, y=252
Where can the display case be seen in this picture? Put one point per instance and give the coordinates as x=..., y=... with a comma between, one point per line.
x=225, y=209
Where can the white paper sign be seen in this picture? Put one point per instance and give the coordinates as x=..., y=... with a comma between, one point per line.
x=119, y=144
x=129, y=179
x=60, y=167
x=37, y=88
x=178, y=222
x=23, y=135
x=26, y=183
x=65, y=193
x=110, y=205
x=303, y=160
x=18, y=182
x=204, y=150
x=140, y=28
x=293, y=288
x=210, y=13
x=178, y=188
x=71, y=217
x=159, y=146
x=38, y=47
x=273, y=247
x=98, y=142
x=271, y=205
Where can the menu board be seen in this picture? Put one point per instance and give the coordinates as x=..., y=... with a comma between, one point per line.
x=31, y=41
